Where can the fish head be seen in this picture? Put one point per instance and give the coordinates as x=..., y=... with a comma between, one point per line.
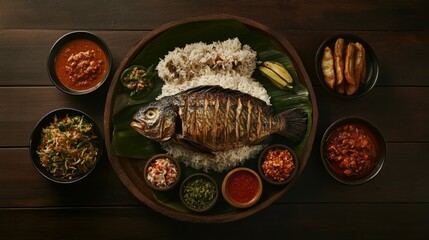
x=156, y=121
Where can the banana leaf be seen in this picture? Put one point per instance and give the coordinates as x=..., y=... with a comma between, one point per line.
x=126, y=142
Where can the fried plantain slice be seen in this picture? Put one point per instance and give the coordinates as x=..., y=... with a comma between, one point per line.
x=359, y=62
x=328, y=67
x=339, y=60
x=350, y=64
x=341, y=87
x=351, y=89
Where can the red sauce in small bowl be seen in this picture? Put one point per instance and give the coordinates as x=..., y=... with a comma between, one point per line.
x=242, y=187
x=81, y=64
x=278, y=164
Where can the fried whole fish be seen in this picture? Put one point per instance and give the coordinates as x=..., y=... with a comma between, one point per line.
x=211, y=119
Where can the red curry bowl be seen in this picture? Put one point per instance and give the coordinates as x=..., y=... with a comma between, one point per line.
x=79, y=63
x=342, y=150
x=242, y=187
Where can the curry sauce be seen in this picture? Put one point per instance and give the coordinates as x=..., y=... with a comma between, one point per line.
x=81, y=64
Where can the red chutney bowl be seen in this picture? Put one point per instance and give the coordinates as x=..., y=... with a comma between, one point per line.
x=242, y=187
x=278, y=164
x=353, y=150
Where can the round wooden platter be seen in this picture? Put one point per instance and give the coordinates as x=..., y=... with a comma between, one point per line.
x=129, y=169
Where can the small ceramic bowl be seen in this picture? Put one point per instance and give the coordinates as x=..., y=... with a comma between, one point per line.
x=242, y=187
x=137, y=80
x=372, y=68
x=271, y=171
x=352, y=161
x=199, y=192
x=168, y=166
x=36, y=143
x=88, y=71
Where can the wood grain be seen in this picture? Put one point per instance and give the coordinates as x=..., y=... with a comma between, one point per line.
x=27, y=188
x=20, y=114
x=22, y=108
x=145, y=15
x=403, y=179
x=103, y=187
x=355, y=221
x=393, y=205
x=31, y=49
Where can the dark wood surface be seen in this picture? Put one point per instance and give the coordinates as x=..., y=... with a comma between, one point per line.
x=393, y=205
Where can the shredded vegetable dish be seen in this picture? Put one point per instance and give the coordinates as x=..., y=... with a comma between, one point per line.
x=69, y=147
x=162, y=173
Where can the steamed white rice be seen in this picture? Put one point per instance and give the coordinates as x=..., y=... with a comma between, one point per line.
x=198, y=64
x=241, y=83
x=198, y=59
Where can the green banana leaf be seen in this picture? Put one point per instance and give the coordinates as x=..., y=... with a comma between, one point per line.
x=126, y=142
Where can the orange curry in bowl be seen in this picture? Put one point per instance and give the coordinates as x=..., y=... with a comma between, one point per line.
x=81, y=64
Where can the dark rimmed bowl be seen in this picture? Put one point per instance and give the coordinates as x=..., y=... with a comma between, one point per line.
x=35, y=140
x=58, y=46
x=173, y=160
x=192, y=177
x=379, y=146
x=262, y=159
x=226, y=193
x=372, y=68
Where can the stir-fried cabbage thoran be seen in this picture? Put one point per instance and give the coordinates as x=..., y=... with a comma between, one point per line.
x=68, y=147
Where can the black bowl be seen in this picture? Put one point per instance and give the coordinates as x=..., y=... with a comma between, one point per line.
x=372, y=69
x=262, y=159
x=58, y=45
x=379, y=146
x=35, y=141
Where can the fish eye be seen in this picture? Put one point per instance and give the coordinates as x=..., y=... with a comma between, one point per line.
x=151, y=113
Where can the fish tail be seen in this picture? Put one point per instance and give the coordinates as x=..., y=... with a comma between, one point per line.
x=294, y=124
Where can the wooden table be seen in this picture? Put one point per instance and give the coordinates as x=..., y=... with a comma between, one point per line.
x=394, y=204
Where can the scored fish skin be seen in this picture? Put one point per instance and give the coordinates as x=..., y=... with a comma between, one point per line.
x=224, y=120
x=213, y=119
